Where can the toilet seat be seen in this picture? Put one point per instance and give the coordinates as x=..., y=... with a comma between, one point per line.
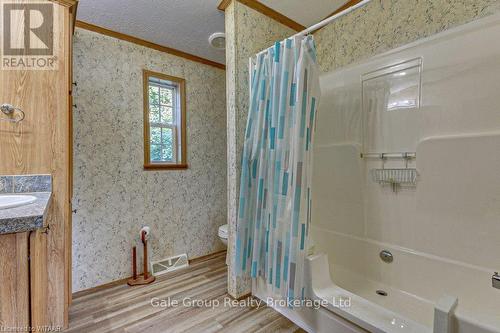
x=223, y=231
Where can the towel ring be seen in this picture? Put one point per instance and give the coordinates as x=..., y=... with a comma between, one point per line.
x=9, y=110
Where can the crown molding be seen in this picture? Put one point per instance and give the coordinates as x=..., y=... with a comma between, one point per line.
x=269, y=12
x=224, y=4
x=151, y=45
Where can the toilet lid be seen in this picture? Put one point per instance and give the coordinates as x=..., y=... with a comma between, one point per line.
x=223, y=231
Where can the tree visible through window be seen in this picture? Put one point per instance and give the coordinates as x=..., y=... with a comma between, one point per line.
x=164, y=121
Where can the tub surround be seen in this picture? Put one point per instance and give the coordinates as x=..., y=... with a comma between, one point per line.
x=27, y=217
x=445, y=227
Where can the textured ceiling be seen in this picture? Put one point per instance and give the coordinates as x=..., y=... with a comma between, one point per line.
x=181, y=24
x=305, y=12
x=186, y=24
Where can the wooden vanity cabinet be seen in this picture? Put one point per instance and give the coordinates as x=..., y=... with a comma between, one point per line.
x=36, y=291
x=23, y=276
x=38, y=279
x=14, y=281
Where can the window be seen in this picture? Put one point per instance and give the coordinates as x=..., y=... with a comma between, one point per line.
x=164, y=121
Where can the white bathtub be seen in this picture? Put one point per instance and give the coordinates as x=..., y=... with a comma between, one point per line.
x=401, y=311
x=362, y=309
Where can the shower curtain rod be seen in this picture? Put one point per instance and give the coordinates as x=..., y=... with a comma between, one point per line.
x=331, y=18
x=327, y=20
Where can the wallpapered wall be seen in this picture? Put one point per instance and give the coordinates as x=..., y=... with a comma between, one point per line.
x=379, y=26
x=382, y=25
x=113, y=196
x=247, y=32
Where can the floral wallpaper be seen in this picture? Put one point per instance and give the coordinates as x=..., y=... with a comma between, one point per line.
x=382, y=25
x=113, y=195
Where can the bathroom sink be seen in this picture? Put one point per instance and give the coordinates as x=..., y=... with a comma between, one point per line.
x=15, y=200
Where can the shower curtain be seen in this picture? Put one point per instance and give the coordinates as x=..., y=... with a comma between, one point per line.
x=275, y=189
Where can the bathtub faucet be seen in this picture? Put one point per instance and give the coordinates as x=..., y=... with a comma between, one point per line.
x=495, y=280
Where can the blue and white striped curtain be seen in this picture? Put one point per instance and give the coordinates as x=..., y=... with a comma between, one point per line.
x=275, y=191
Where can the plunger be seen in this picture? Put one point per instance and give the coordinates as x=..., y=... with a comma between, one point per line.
x=145, y=278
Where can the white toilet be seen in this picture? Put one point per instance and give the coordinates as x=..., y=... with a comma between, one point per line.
x=223, y=232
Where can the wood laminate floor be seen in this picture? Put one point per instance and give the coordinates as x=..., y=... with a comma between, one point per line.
x=121, y=308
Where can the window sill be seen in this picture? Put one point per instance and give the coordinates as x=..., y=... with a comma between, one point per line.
x=165, y=166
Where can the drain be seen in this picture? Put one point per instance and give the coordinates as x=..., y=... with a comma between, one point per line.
x=381, y=292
